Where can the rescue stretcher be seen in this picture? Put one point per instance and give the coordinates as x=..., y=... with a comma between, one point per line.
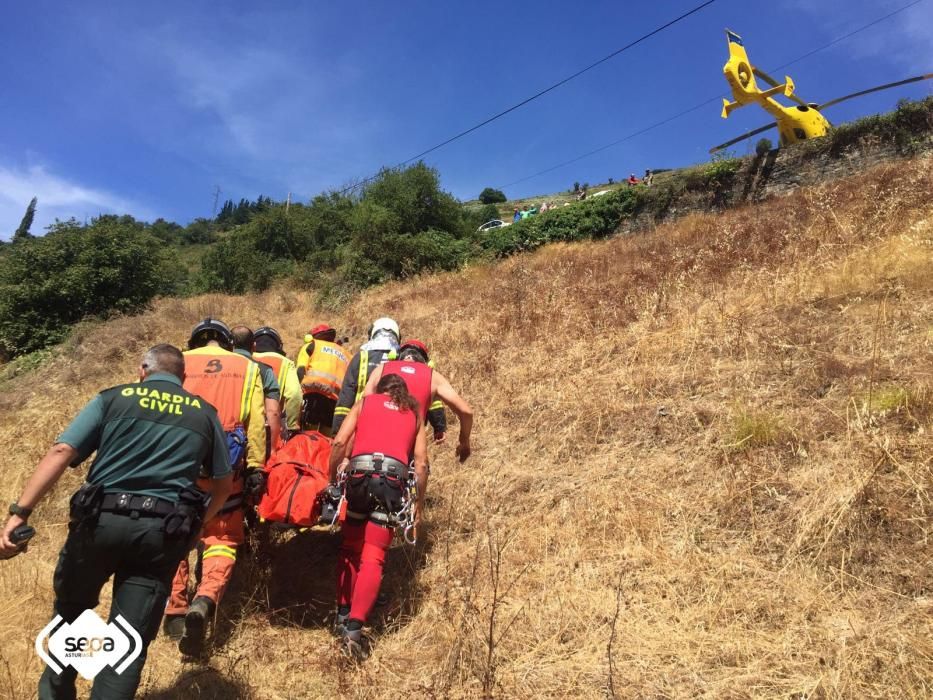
x=296, y=483
x=296, y=489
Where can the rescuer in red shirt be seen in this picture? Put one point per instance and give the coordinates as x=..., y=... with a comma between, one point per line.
x=380, y=435
x=428, y=386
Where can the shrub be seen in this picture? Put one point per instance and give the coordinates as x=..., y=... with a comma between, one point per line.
x=75, y=272
x=401, y=224
x=593, y=218
x=907, y=126
x=167, y=231
x=763, y=147
x=198, y=232
x=721, y=170
x=491, y=196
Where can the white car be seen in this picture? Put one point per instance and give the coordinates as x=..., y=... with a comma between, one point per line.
x=495, y=223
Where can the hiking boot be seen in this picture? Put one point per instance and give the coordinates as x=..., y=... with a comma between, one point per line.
x=340, y=624
x=200, y=611
x=173, y=627
x=354, y=645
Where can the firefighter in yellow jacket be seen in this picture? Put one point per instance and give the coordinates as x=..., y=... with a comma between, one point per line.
x=231, y=384
x=270, y=351
x=321, y=364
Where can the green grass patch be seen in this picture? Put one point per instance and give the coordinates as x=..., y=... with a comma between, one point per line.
x=755, y=429
x=888, y=399
x=23, y=364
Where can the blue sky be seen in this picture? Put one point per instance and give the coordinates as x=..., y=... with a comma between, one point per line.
x=145, y=108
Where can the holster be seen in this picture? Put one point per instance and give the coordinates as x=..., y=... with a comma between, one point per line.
x=186, y=520
x=85, y=506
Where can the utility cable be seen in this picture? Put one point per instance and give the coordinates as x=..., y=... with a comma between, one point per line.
x=711, y=100
x=543, y=92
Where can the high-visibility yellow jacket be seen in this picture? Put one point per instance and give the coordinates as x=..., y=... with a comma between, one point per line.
x=288, y=380
x=324, y=367
x=231, y=384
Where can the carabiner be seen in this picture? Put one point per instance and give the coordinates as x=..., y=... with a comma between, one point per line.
x=333, y=522
x=411, y=539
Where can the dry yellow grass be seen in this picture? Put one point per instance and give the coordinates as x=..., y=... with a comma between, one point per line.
x=702, y=469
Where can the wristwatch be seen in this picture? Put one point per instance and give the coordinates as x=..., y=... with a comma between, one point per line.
x=16, y=509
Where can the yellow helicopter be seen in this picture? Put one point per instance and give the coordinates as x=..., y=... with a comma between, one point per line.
x=802, y=121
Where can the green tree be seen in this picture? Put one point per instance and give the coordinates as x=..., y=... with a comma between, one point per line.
x=491, y=196
x=166, y=231
x=22, y=232
x=400, y=224
x=111, y=266
x=198, y=232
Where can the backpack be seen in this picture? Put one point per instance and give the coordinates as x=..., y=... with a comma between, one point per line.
x=236, y=447
x=296, y=475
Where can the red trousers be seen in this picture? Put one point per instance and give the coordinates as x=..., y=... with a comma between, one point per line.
x=219, y=539
x=359, y=565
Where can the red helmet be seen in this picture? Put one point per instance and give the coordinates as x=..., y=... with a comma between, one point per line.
x=416, y=345
x=322, y=329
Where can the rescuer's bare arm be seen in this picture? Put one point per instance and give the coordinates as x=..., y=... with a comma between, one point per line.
x=48, y=471
x=421, y=467
x=340, y=447
x=445, y=392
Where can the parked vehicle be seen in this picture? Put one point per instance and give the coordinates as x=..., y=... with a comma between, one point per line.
x=495, y=223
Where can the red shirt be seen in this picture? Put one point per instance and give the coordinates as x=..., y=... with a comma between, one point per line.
x=417, y=376
x=383, y=427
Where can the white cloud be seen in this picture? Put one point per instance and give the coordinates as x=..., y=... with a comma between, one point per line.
x=58, y=198
x=279, y=119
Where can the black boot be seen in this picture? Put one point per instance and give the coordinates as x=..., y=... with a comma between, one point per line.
x=173, y=626
x=353, y=643
x=340, y=621
x=200, y=611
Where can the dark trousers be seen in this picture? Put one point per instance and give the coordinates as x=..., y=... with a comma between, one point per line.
x=317, y=413
x=142, y=561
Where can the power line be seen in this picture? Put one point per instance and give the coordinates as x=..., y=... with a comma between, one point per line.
x=543, y=92
x=711, y=100
x=614, y=143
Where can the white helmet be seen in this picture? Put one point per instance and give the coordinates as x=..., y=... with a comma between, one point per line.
x=384, y=324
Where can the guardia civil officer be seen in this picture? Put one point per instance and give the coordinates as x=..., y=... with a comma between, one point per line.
x=138, y=513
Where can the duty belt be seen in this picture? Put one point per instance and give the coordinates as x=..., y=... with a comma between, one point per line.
x=136, y=506
x=378, y=463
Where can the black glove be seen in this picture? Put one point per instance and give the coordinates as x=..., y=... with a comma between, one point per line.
x=254, y=483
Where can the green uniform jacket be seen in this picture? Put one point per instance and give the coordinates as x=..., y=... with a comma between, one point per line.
x=151, y=438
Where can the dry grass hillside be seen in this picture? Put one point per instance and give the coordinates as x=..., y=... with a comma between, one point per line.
x=702, y=469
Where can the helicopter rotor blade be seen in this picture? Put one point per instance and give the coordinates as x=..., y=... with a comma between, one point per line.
x=915, y=79
x=747, y=134
x=774, y=83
